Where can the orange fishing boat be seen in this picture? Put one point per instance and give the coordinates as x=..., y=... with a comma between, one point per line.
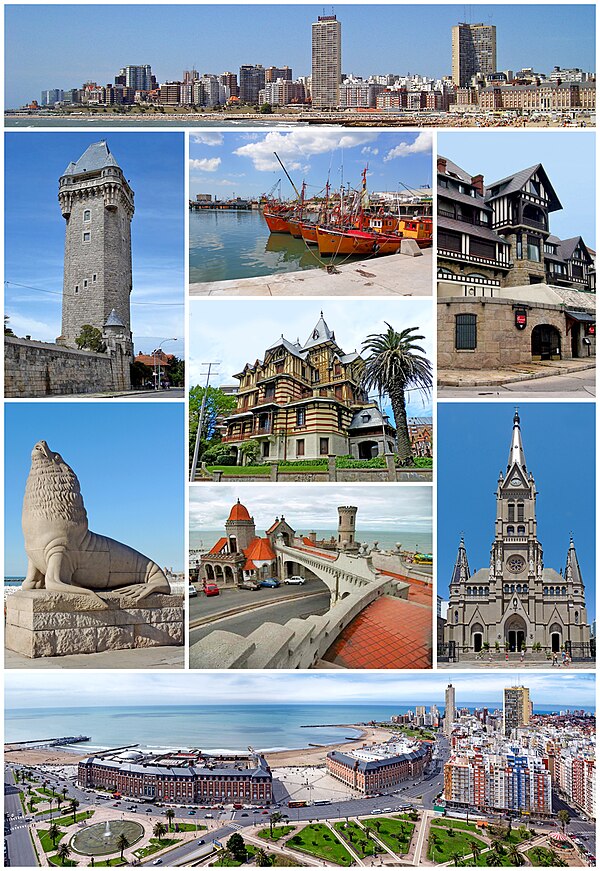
x=333, y=241
x=419, y=229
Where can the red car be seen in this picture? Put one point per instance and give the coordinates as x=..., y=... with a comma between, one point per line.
x=211, y=589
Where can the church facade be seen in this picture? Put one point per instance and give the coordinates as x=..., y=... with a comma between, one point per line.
x=517, y=603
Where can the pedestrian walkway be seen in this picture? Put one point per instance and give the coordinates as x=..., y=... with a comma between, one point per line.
x=522, y=372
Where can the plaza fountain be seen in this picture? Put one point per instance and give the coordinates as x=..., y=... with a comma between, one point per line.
x=101, y=839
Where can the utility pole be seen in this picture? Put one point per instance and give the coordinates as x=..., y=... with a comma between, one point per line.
x=200, y=422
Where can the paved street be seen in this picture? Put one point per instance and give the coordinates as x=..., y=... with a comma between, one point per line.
x=230, y=598
x=16, y=830
x=580, y=384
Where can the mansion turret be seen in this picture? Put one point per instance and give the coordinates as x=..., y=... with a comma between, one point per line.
x=304, y=401
x=517, y=603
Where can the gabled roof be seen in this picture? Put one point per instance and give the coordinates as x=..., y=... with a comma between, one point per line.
x=513, y=183
x=259, y=549
x=454, y=170
x=96, y=156
x=218, y=547
x=293, y=347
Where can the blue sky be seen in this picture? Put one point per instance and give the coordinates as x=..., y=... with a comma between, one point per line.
x=50, y=47
x=153, y=164
x=497, y=154
x=244, y=163
x=128, y=459
x=473, y=441
x=29, y=689
x=235, y=332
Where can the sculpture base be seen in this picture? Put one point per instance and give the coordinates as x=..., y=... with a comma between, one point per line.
x=39, y=623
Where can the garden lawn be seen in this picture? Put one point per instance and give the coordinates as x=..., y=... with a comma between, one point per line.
x=55, y=860
x=67, y=820
x=544, y=858
x=504, y=862
x=358, y=839
x=396, y=834
x=448, y=823
x=188, y=827
x=447, y=844
x=318, y=840
x=117, y=861
x=46, y=841
x=241, y=470
x=154, y=846
x=278, y=832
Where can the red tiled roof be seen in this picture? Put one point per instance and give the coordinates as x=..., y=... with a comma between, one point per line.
x=420, y=591
x=308, y=542
x=239, y=512
x=273, y=526
x=388, y=633
x=249, y=566
x=218, y=547
x=259, y=549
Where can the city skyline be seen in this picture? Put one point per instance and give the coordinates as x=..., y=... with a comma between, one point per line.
x=507, y=152
x=480, y=435
x=223, y=688
x=244, y=164
x=33, y=292
x=562, y=35
x=99, y=441
x=235, y=342
x=405, y=508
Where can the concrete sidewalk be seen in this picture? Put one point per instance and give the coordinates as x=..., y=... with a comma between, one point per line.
x=392, y=275
x=142, y=657
x=522, y=372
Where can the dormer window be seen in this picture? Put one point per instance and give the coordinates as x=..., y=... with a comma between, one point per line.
x=365, y=417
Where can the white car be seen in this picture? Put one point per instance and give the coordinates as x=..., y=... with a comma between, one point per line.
x=295, y=579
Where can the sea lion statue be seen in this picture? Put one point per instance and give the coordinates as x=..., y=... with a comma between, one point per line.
x=63, y=556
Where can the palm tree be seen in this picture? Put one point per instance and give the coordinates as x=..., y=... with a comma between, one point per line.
x=53, y=833
x=275, y=818
x=170, y=814
x=159, y=830
x=262, y=857
x=74, y=804
x=564, y=818
x=59, y=801
x=395, y=364
x=475, y=850
x=122, y=843
x=63, y=852
x=514, y=855
x=456, y=857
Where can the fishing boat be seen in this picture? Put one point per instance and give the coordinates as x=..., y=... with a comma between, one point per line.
x=355, y=241
x=419, y=229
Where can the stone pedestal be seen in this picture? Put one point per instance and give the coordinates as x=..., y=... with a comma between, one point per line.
x=39, y=623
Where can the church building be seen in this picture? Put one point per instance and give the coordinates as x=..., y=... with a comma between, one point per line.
x=517, y=603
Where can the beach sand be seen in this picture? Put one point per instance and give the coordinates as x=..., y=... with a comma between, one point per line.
x=45, y=756
x=317, y=755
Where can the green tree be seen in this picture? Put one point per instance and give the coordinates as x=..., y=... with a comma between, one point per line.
x=275, y=818
x=74, y=804
x=122, y=843
x=54, y=833
x=219, y=455
x=218, y=404
x=63, y=852
x=140, y=374
x=59, y=801
x=514, y=855
x=159, y=830
x=475, y=850
x=456, y=857
x=91, y=338
x=7, y=330
x=396, y=363
x=262, y=858
x=170, y=815
x=266, y=109
x=176, y=371
x=250, y=451
x=237, y=847
x=564, y=818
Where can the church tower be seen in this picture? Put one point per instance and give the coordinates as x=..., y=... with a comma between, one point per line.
x=240, y=528
x=97, y=205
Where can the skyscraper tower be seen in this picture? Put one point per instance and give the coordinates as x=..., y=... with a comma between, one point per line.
x=473, y=51
x=346, y=524
x=517, y=708
x=326, y=62
x=97, y=205
x=449, y=710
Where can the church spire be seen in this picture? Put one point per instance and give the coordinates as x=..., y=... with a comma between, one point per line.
x=572, y=571
x=461, y=571
x=516, y=453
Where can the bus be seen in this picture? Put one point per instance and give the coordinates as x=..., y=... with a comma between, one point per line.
x=297, y=803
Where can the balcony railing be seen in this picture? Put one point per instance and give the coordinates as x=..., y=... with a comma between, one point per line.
x=466, y=219
x=472, y=258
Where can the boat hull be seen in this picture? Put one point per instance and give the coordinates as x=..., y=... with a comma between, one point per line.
x=358, y=243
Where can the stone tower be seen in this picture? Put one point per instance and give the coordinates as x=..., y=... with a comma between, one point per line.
x=346, y=524
x=97, y=204
x=240, y=528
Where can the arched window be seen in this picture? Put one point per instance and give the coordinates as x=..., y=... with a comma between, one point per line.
x=520, y=530
x=87, y=215
x=511, y=511
x=468, y=591
x=518, y=588
x=487, y=591
x=563, y=591
x=551, y=591
x=510, y=530
x=576, y=616
x=506, y=588
x=520, y=511
x=512, y=588
x=545, y=591
x=456, y=616
x=481, y=591
x=525, y=588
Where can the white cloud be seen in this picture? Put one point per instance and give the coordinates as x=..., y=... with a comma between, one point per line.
x=423, y=143
x=295, y=147
x=207, y=138
x=368, y=150
x=206, y=164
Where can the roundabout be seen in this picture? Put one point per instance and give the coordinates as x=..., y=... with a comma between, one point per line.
x=102, y=839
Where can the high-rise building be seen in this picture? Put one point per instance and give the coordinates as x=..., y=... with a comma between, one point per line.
x=326, y=62
x=230, y=81
x=274, y=73
x=139, y=78
x=516, y=710
x=473, y=52
x=252, y=80
x=49, y=98
x=449, y=709
x=97, y=205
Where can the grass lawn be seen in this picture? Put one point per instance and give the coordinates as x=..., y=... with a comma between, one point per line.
x=358, y=839
x=278, y=832
x=189, y=827
x=241, y=470
x=154, y=846
x=227, y=862
x=443, y=842
x=117, y=861
x=46, y=841
x=544, y=857
x=455, y=824
x=318, y=840
x=396, y=834
x=67, y=819
x=54, y=860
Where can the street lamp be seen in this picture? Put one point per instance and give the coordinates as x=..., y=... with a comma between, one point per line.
x=201, y=420
x=155, y=352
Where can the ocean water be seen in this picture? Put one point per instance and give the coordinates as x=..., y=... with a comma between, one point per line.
x=226, y=245
x=410, y=540
x=209, y=727
x=143, y=122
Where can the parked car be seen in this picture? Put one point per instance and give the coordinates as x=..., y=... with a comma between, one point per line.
x=295, y=579
x=191, y=813
x=192, y=591
x=210, y=589
x=248, y=585
x=270, y=582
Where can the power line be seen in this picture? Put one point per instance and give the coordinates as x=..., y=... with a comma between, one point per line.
x=59, y=293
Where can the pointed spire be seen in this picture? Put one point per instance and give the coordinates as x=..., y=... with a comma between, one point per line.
x=516, y=453
x=321, y=333
x=572, y=570
x=461, y=571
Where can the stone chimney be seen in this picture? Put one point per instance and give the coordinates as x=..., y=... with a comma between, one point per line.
x=442, y=164
x=477, y=182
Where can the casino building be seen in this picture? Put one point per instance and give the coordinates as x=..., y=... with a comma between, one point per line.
x=371, y=769
x=185, y=776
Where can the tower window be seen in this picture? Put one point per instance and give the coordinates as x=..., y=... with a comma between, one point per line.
x=87, y=236
x=511, y=512
x=520, y=530
x=76, y=288
x=520, y=511
x=85, y=282
x=300, y=417
x=94, y=277
x=87, y=215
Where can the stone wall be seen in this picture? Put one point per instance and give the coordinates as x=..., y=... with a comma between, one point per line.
x=499, y=342
x=34, y=369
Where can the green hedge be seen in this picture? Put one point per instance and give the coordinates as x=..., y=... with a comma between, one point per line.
x=293, y=463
